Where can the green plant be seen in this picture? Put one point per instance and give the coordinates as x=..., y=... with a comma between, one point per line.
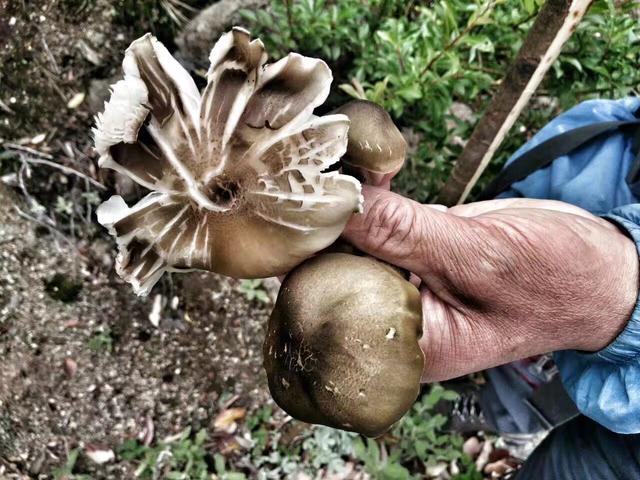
x=253, y=290
x=417, y=58
x=65, y=472
x=416, y=442
x=333, y=30
x=101, y=342
x=182, y=457
x=221, y=469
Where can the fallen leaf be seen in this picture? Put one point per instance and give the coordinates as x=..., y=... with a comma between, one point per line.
x=226, y=419
x=38, y=138
x=76, y=100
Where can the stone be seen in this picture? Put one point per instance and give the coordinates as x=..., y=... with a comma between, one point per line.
x=197, y=38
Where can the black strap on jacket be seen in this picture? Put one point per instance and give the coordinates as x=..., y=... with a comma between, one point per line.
x=543, y=154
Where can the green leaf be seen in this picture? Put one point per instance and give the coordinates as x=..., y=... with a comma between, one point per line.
x=574, y=62
x=450, y=395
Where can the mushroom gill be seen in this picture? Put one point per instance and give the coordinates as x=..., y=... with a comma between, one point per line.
x=237, y=174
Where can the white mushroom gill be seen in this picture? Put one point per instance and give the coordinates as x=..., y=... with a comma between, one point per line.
x=237, y=173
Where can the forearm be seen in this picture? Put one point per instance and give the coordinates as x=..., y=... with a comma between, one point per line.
x=457, y=342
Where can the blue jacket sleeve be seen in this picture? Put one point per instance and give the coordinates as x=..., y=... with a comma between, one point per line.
x=606, y=385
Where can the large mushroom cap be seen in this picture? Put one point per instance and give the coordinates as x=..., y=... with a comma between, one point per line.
x=375, y=143
x=342, y=344
x=236, y=172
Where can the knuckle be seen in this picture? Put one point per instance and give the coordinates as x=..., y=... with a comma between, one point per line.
x=391, y=223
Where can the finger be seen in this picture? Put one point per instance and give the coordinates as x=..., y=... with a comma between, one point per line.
x=403, y=232
x=375, y=179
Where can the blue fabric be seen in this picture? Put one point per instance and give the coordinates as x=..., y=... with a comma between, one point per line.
x=605, y=385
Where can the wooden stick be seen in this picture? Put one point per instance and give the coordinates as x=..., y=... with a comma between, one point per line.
x=553, y=26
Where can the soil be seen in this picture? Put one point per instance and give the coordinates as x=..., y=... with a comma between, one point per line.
x=207, y=343
x=81, y=363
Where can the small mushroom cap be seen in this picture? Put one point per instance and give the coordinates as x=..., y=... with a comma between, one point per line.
x=237, y=173
x=342, y=344
x=375, y=143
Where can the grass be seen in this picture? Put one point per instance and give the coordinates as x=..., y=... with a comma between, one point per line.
x=277, y=448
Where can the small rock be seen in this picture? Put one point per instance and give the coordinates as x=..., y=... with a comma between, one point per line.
x=70, y=367
x=436, y=471
x=461, y=111
x=199, y=35
x=156, y=310
x=98, y=454
x=472, y=447
x=10, y=179
x=272, y=287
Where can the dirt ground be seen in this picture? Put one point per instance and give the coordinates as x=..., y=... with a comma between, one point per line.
x=61, y=388
x=81, y=363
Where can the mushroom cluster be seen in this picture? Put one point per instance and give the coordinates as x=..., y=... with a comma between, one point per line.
x=244, y=181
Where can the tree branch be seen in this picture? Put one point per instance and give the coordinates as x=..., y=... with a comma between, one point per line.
x=552, y=28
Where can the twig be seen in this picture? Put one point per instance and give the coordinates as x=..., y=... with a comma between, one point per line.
x=31, y=201
x=32, y=151
x=400, y=59
x=6, y=108
x=46, y=161
x=552, y=28
x=56, y=68
x=69, y=170
x=51, y=228
x=459, y=37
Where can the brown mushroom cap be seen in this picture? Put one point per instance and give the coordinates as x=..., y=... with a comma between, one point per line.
x=375, y=143
x=342, y=344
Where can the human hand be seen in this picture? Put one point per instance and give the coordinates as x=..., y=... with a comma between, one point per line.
x=503, y=279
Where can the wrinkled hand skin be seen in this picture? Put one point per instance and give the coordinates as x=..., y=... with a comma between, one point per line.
x=503, y=279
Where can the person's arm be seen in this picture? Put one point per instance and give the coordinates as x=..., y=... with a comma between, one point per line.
x=606, y=384
x=507, y=279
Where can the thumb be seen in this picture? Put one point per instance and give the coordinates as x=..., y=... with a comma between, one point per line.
x=400, y=231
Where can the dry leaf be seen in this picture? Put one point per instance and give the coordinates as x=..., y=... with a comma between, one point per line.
x=226, y=419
